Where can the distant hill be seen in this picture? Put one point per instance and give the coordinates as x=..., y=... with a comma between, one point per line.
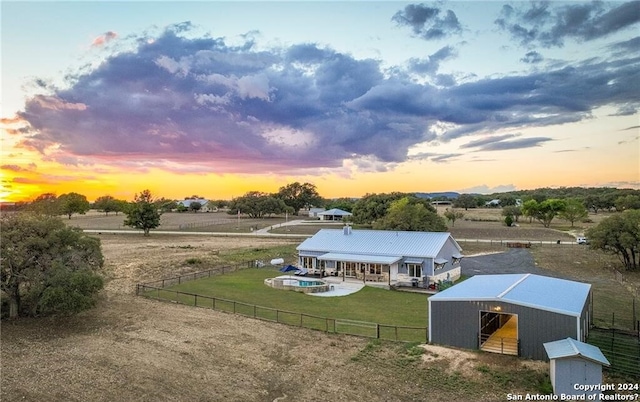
x=448, y=194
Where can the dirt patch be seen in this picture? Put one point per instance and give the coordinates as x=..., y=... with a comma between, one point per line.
x=459, y=360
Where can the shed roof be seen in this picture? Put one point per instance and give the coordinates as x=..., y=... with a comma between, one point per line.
x=571, y=348
x=335, y=212
x=378, y=242
x=542, y=292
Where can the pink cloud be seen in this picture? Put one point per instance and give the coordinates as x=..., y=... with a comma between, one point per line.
x=55, y=103
x=104, y=38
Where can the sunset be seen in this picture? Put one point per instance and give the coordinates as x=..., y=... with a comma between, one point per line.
x=221, y=98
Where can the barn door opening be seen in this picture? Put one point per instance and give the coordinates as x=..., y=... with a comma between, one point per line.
x=498, y=332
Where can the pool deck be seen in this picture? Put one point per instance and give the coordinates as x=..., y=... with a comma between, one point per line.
x=339, y=288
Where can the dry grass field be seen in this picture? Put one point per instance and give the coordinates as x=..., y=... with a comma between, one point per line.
x=132, y=349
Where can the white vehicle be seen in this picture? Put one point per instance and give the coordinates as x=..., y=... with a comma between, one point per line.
x=582, y=240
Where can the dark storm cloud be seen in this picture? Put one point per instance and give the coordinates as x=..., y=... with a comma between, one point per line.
x=431, y=64
x=549, y=25
x=627, y=46
x=177, y=100
x=626, y=110
x=428, y=22
x=532, y=57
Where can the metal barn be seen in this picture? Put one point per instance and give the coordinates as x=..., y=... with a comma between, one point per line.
x=510, y=314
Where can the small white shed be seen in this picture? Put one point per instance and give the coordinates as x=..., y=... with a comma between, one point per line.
x=573, y=362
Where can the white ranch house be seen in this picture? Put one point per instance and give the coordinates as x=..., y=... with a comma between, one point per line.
x=392, y=257
x=334, y=214
x=203, y=202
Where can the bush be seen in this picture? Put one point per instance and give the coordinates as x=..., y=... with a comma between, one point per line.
x=508, y=220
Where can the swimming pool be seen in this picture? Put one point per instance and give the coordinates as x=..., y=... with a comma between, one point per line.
x=305, y=285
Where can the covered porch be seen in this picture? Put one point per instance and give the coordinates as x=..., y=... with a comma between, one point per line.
x=366, y=268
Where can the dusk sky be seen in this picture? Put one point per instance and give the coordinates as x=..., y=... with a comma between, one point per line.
x=221, y=98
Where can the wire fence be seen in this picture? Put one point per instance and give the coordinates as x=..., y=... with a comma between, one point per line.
x=621, y=348
x=200, y=224
x=309, y=321
x=522, y=243
x=158, y=290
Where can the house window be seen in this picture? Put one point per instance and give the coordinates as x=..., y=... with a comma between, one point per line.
x=415, y=270
x=375, y=269
x=456, y=259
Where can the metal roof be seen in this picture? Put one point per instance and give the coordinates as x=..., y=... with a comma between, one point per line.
x=571, y=348
x=378, y=259
x=542, y=292
x=378, y=242
x=335, y=212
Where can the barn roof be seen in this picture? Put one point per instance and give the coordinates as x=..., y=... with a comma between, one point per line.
x=377, y=242
x=571, y=348
x=541, y=292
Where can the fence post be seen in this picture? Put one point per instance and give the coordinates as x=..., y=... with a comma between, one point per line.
x=634, y=312
x=179, y=279
x=195, y=300
x=377, y=331
x=277, y=315
x=234, y=307
x=396, y=332
x=214, y=303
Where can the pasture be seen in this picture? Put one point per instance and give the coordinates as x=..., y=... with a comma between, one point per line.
x=132, y=348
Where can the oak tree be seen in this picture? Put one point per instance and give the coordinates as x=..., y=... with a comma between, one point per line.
x=47, y=267
x=143, y=213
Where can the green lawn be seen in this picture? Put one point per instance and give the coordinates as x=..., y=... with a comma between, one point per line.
x=247, y=286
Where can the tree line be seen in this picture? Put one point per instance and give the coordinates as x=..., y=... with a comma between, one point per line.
x=49, y=268
x=594, y=199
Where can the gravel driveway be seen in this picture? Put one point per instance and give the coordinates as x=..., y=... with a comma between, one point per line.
x=512, y=261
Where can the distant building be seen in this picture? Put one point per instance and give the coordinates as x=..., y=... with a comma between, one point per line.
x=203, y=202
x=334, y=214
x=313, y=212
